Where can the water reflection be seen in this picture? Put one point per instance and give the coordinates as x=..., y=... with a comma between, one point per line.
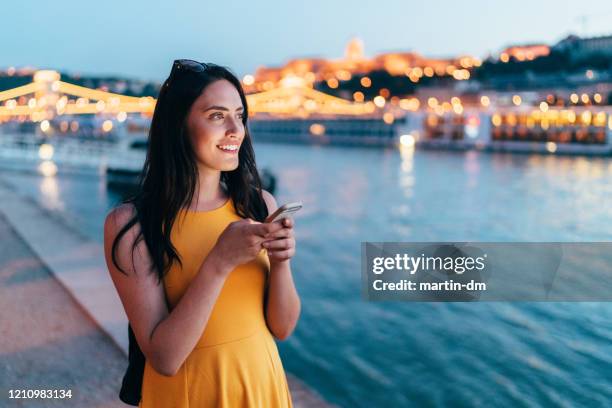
x=50, y=192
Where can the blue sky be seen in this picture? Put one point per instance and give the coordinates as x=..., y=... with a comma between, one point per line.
x=140, y=39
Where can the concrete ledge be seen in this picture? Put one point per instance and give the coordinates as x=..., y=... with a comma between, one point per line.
x=77, y=263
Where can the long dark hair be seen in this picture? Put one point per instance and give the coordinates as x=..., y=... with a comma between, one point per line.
x=169, y=175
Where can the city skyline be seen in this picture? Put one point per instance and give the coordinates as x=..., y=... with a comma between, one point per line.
x=114, y=41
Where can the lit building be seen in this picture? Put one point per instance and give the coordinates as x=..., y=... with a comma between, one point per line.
x=355, y=62
x=526, y=52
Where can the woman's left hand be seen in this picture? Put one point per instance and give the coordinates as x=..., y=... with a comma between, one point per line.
x=281, y=244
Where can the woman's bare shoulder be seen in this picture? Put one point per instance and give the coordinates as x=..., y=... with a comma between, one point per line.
x=117, y=218
x=122, y=212
x=127, y=247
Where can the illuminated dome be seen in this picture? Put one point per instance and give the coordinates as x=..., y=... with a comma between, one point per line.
x=354, y=50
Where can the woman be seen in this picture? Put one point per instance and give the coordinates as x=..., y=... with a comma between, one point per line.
x=204, y=281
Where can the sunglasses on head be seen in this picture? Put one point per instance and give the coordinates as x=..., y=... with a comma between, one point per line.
x=182, y=65
x=190, y=64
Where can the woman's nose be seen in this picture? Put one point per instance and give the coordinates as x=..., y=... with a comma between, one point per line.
x=233, y=127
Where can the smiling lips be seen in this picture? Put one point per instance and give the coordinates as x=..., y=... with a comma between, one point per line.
x=229, y=148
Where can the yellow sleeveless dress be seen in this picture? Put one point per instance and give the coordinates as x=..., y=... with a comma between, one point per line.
x=236, y=362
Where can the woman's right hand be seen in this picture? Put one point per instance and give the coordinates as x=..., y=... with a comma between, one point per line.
x=241, y=242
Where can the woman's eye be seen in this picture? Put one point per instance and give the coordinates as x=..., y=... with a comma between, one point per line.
x=219, y=115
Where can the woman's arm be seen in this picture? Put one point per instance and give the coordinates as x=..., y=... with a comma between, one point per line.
x=283, y=304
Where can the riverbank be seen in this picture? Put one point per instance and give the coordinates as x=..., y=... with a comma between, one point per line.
x=63, y=326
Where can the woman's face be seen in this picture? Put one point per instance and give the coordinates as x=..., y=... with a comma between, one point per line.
x=214, y=124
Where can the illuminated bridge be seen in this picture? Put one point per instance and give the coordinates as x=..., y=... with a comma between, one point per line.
x=47, y=97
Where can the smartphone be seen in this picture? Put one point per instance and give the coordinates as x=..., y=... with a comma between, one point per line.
x=284, y=211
